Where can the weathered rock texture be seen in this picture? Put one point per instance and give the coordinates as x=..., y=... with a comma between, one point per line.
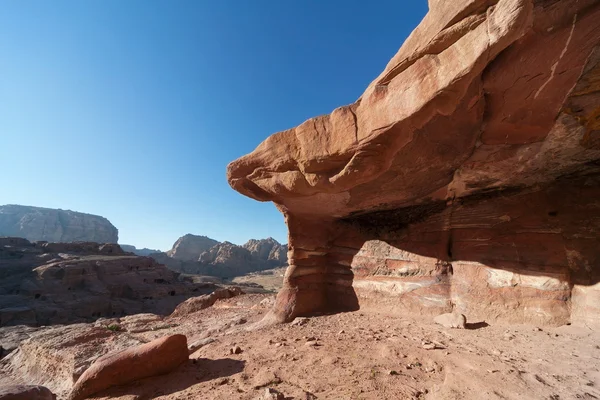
x=466, y=177
x=52, y=283
x=47, y=224
x=196, y=255
x=150, y=359
x=58, y=356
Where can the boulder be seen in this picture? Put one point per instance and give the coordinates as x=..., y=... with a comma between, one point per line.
x=26, y=392
x=451, y=320
x=158, y=357
x=463, y=177
x=201, y=302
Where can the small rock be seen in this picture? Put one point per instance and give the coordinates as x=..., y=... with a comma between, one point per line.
x=451, y=320
x=299, y=321
x=271, y=394
x=312, y=343
x=392, y=372
x=427, y=345
x=235, y=350
x=309, y=338
x=341, y=332
x=536, y=329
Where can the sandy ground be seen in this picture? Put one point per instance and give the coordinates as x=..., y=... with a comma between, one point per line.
x=370, y=356
x=271, y=280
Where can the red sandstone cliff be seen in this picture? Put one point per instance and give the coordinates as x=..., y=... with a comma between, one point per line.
x=465, y=177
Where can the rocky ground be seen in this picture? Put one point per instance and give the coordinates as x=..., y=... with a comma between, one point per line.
x=355, y=355
x=56, y=283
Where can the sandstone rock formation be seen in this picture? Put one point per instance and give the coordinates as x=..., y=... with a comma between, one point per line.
x=57, y=356
x=46, y=224
x=226, y=260
x=465, y=177
x=155, y=358
x=189, y=247
x=52, y=283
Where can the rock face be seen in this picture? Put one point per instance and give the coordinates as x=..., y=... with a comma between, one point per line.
x=269, y=250
x=54, y=283
x=189, y=247
x=464, y=178
x=225, y=260
x=155, y=358
x=46, y=224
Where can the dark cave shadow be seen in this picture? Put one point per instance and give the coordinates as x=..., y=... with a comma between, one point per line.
x=476, y=325
x=191, y=373
x=532, y=237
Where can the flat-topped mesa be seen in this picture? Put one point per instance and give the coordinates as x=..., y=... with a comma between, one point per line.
x=463, y=177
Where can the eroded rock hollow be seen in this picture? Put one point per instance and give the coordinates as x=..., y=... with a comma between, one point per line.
x=466, y=177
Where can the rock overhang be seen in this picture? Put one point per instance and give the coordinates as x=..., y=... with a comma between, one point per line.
x=485, y=100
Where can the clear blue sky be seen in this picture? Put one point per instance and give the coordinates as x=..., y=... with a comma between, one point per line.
x=132, y=109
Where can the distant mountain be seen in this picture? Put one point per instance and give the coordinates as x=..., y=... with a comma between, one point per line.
x=189, y=247
x=55, y=225
x=138, y=252
x=267, y=249
x=192, y=254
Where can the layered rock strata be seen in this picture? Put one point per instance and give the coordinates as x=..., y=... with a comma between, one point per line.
x=465, y=178
x=54, y=283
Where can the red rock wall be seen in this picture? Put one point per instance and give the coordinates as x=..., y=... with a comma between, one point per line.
x=514, y=255
x=439, y=188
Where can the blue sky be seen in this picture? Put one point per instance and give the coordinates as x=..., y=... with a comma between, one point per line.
x=132, y=109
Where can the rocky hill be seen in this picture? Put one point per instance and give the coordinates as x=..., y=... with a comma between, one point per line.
x=54, y=283
x=465, y=177
x=189, y=247
x=192, y=255
x=47, y=224
x=268, y=250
